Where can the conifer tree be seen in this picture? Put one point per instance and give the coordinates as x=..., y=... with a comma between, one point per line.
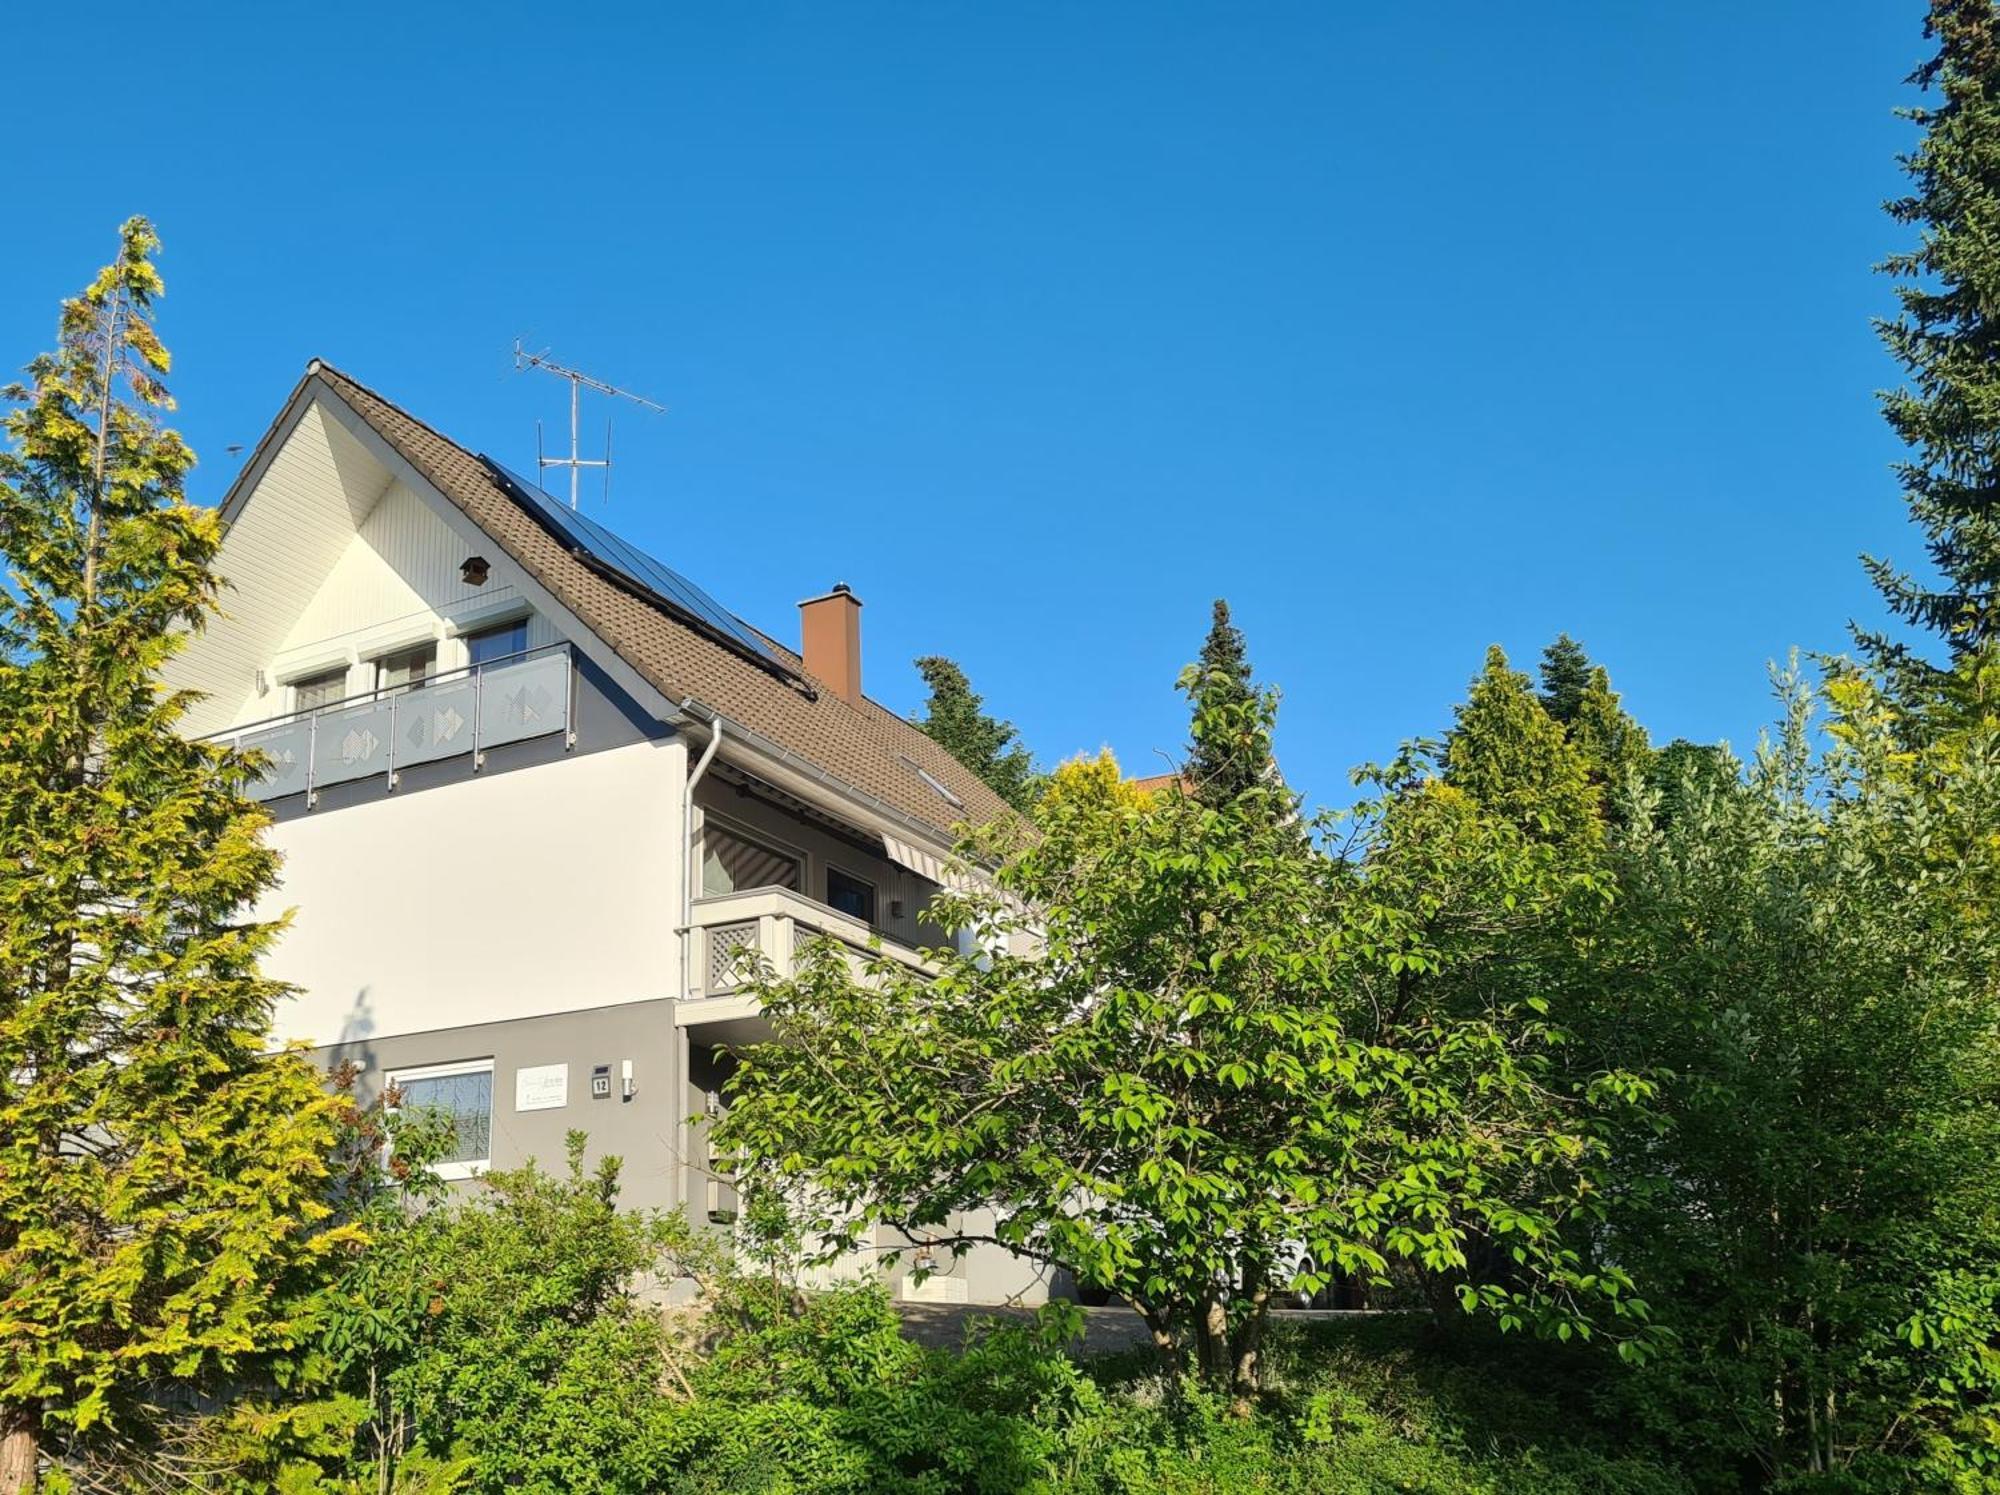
x=161, y=1178
x=1947, y=339
x=954, y=717
x=1515, y=760
x=1612, y=745
x=1565, y=677
x=1228, y=756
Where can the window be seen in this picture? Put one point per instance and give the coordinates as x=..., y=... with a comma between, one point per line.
x=323, y=689
x=850, y=895
x=935, y=784
x=497, y=642
x=463, y=1092
x=732, y=863
x=410, y=667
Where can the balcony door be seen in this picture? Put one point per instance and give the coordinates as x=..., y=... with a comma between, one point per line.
x=732, y=862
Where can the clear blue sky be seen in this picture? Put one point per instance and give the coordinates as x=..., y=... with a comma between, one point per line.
x=1408, y=329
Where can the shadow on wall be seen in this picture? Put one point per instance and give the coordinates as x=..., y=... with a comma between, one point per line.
x=351, y=1045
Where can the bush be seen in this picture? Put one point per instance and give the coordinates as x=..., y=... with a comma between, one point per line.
x=835, y=1401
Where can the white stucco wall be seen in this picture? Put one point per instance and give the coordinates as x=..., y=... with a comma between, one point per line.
x=549, y=889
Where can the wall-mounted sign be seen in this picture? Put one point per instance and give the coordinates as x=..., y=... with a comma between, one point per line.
x=541, y=1087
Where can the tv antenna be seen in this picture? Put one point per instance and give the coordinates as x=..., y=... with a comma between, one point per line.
x=578, y=382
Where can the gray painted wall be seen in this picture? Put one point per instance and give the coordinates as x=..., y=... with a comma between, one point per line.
x=643, y=1131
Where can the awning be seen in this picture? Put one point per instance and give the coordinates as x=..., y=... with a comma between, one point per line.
x=926, y=865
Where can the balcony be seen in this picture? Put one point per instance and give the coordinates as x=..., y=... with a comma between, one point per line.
x=378, y=735
x=733, y=931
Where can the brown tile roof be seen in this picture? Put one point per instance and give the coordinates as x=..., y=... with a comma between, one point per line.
x=866, y=747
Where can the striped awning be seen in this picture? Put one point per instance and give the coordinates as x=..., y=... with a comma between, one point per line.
x=926, y=864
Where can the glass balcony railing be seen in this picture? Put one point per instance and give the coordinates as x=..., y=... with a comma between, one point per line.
x=463, y=711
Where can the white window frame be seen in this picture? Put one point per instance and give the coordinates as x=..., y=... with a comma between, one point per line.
x=466, y=1167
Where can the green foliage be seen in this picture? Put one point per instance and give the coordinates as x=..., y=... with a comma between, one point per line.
x=1213, y=1064
x=1809, y=961
x=532, y=1359
x=837, y=1402
x=161, y=1181
x=833, y=1399
x=1098, y=780
x=953, y=716
x=1566, y=674
x=1684, y=773
x=1516, y=761
x=1948, y=286
x=1231, y=752
x=1614, y=748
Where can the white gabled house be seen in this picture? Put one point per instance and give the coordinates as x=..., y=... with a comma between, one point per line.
x=533, y=789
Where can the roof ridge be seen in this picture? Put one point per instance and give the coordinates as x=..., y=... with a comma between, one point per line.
x=321, y=366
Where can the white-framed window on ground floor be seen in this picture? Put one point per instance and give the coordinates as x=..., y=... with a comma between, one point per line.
x=462, y=1091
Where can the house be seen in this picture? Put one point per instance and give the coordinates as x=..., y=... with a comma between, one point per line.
x=536, y=792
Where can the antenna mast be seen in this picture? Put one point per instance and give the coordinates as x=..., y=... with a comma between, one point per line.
x=578, y=382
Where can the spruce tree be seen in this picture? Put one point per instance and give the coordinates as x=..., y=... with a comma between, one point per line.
x=1229, y=755
x=1515, y=760
x=1565, y=677
x=1947, y=339
x=955, y=718
x=161, y=1178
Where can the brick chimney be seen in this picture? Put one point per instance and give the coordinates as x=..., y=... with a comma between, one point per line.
x=830, y=640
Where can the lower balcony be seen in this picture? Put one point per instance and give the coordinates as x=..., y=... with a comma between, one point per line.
x=380, y=734
x=734, y=932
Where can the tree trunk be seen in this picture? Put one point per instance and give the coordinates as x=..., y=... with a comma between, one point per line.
x=20, y=1450
x=1249, y=1348
x=1161, y=1326
x=1214, y=1329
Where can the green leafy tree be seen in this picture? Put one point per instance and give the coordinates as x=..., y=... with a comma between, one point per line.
x=1565, y=672
x=1949, y=411
x=1809, y=959
x=954, y=716
x=1517, y=762
x=1211, y=1065
x=161, y=1180
x=1682, y=773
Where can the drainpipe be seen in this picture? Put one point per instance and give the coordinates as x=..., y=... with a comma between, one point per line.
x=684, y=1049
x=690, y=707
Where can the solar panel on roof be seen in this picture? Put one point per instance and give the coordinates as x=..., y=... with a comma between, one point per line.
x=592, y=540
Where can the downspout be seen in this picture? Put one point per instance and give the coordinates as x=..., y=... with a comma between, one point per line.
x=690, y=707
x=683, y=1047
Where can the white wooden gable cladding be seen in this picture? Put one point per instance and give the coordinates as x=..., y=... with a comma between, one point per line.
x=318, y=488
x=330, y=561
